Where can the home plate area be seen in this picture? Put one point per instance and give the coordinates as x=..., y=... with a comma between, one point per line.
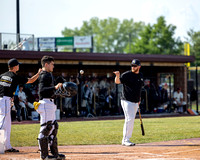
x=187, y=149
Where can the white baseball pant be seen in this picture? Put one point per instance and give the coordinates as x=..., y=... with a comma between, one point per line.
x=130, y=110
x=47, y=110
x=5, y=120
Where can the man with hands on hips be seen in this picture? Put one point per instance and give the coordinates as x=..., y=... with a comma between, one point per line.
x=132, y=82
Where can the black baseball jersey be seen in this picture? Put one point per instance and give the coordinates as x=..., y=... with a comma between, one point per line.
x=46, y=85
x=132, y=85
x=9, y=82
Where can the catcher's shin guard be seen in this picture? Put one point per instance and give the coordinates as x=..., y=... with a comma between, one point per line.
x=54, y=147
x=53, y=140
x=54, y=150
x=43, y=142
x=43, y=139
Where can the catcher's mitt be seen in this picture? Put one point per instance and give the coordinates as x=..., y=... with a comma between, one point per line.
x=69, y=89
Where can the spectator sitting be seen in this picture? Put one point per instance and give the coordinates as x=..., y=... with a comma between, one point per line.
x=23, y=102
x=179, y=104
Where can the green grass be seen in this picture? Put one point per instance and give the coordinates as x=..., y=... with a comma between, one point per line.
x=110, y=131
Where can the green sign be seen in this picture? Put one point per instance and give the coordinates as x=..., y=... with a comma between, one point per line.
x=65, y=41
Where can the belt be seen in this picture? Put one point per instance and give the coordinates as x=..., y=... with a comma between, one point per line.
x=5, y=97
x=50, y=99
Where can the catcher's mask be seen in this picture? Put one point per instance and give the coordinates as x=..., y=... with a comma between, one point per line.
x=69, y=89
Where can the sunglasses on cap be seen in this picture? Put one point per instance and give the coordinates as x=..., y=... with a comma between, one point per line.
x=133, y=65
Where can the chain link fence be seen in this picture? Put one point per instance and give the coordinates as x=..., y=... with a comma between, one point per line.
x=13, y=41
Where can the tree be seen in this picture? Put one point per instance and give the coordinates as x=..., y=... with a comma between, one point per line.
x=158, y=39
x=109, y=35
x=194, y=41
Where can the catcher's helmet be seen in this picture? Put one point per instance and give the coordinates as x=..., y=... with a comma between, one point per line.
x=69, y=89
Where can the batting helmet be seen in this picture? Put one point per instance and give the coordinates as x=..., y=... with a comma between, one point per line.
x=69, y=89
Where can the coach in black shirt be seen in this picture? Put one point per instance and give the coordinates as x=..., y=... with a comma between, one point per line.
x=132, y=84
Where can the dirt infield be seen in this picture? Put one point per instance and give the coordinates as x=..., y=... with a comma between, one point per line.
x=188, y=149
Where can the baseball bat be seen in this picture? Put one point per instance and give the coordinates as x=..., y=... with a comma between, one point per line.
x=141, y=123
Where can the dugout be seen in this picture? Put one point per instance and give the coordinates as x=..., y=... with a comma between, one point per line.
x=156, y=68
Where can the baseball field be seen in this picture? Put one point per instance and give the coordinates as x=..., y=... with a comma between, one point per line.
x=165, y=138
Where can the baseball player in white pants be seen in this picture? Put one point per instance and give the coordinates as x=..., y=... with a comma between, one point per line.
x=49, y=125
x=130, y=110
x=5, y=120
x=132, y=82
x=46, y=108
x=8, y=84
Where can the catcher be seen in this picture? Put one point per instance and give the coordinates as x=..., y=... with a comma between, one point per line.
x=46, y=108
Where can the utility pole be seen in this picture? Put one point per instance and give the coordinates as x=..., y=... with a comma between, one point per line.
x=197, y=100
x=18, y=21
x=170, y=93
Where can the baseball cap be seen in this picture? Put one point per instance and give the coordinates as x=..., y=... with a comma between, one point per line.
x=135, y=62
x=13, y=62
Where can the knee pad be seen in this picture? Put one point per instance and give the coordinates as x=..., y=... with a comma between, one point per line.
x=55, y=123
x=47, y=129
x=52, y=136
x=55, y=131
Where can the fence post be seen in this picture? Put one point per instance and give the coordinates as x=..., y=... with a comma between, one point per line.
x=1, y=41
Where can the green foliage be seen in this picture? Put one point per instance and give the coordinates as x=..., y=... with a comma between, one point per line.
x=194, y=41
x=158, y=39
x=109, y=35
x=112, y=36
x=110, y=131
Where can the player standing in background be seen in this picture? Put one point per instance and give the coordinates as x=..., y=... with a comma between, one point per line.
x=8, y=84
x=47, y=109
x=132, y=84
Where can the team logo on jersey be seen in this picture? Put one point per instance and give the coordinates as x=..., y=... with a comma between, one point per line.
x=6, y=81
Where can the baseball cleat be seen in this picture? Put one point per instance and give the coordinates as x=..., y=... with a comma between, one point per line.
x=61, y=157
x=49, y=158
x=128, y=143
x=11, y=150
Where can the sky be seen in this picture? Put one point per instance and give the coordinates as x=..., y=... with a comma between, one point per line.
x=47, y=18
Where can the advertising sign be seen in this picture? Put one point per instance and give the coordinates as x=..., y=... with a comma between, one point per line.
x=46, y=43
x=65, y=41
x=82, y=42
